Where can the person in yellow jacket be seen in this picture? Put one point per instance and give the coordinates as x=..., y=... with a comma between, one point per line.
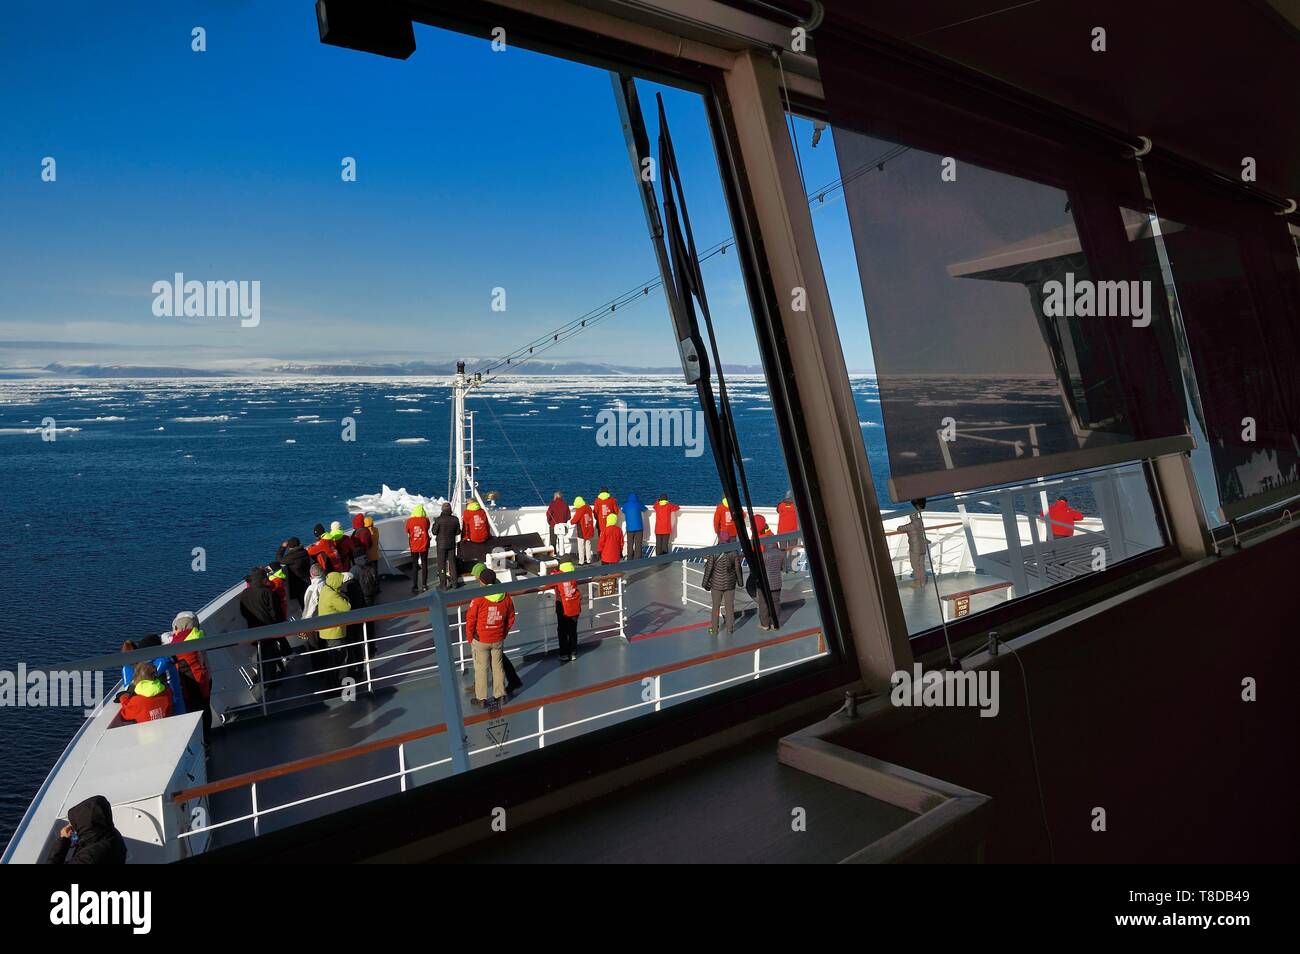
x=332, y=600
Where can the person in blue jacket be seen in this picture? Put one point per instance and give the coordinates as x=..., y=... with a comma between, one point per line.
x=634, y=525
x=166, y=667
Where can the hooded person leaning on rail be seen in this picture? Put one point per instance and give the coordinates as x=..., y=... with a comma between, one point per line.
x=148, y=699
x=89, y=837
x=634, y=525
x=168, y=673
x=611, y=540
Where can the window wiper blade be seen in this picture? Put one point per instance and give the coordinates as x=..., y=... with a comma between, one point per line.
x=683, y=286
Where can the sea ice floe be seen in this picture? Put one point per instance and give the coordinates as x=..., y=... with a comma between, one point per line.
x=389, y=502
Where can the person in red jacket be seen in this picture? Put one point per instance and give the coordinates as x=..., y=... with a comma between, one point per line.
x=324, y=552
x=277, y=581
x=664, y=524
x=417, y=533
x=474, y=523
x=361, y=537
x=1061, y=518
x=342, y=543
x=489, y=620
x=611, y=540
x=787, y=516
x=584, y=518
x=605, y=505
x=148, y=698
x=557, y=514
x=787, y=521
x=196, y=681
x=723, y=525
x=568, y=606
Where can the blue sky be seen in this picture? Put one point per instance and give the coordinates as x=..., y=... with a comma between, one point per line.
x=475, y=170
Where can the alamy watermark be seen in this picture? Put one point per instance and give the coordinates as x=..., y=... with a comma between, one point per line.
x=946, y=689
x=193, y=299
x=51, y=689
x=78, y=906
x=621, y=426
x=1086, y=298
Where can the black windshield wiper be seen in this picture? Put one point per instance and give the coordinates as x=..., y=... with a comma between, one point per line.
x=679, y=266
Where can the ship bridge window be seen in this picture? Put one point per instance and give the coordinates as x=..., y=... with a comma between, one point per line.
x=1233, y=275
x=962, y=370
x=481, y=299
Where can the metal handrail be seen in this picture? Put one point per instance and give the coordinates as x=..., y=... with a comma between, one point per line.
x=423, y=603
x=414, y=735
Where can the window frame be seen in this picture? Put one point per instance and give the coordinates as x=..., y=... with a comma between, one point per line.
x=384, y=824
x=1046, y=605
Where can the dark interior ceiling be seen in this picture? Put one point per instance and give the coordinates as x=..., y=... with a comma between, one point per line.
x=1211, y=80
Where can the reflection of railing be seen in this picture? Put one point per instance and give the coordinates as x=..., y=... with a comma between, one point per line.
x=650, y=679
x=976, y=434
x=693, y=576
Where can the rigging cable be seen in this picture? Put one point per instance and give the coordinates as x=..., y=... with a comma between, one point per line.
x=518, y=459
x=609, y=308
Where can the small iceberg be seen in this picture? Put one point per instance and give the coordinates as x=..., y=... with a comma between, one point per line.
x=390, y=502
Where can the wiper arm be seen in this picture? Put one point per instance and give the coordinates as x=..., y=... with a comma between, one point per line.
x=683, y=285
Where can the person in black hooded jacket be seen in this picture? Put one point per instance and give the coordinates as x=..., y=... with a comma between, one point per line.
x=445, y=531
x=259, y=607
x=297, y=564
x=89, y=838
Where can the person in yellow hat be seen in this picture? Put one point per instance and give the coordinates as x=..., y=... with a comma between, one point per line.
x=611, y=540
x=584, y=519
x=568, y=607
x=724, y=524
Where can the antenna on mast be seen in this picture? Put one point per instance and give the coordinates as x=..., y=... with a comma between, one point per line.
x=464, y=485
